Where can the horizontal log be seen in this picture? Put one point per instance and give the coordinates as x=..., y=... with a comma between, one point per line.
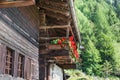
x=54, y=9
x=7, y=4
x=68, y=66
x=58, y=53
x=58, y=16
x=51, y=27
x=54, y=47
x=49, y=38
x=58, y=3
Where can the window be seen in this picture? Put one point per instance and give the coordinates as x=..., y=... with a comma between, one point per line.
x=20, y=72
x=9, y=61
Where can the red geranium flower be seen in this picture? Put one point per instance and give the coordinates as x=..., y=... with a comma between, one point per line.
x=72, y=42
x=74, y=47
x=59, y=42
x=71, y=38
x=63, y=39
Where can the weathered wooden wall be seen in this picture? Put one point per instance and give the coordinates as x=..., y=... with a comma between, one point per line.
x=12, y=39
x=24, y=20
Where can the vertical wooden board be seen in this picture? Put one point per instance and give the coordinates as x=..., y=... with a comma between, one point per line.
x=15, y=63
x=27, y=69
x=3, y=58
x=0, y=57
x=34, y=70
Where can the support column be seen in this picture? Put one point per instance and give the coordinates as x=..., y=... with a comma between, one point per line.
x=42, y=68
x=42, y=60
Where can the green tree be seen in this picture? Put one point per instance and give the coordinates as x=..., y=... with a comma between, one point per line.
x=91, y=59
x=105, y=47
x=100, y=30
x=107, y=69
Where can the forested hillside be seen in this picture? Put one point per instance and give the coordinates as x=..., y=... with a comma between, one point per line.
x=99, y=24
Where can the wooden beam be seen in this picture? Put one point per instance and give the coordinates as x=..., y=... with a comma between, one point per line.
x=49, y=38
x=56, y=21
x=51, y=27
x=57, y=53
x=58, y=16
x=54, y=9
x=68, y=66
x=55, y=47
x=58, y=3
x=20, y=3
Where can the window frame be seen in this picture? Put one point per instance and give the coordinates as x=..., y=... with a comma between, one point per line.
x=9, y=60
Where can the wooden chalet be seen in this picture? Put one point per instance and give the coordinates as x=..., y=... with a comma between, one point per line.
x=27, y=28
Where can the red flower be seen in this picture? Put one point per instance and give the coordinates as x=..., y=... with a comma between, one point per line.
x=63, y=39
x=74, y=47
x=59, y=42
x=75, y=51
x=72, y=42
x=77, y=55
x=71, y=38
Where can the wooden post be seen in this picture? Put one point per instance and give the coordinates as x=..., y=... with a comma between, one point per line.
x=42, y=68
x=42, y=60
x=2, y=58
x=15, y=64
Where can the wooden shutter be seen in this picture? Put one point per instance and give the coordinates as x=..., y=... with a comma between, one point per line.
x=20, y=67
x=27, y=68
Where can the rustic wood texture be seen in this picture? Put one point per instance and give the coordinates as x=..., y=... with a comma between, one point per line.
x=15, y=64
x=27, y=68
x=24, y=20
x=2, y=57
x=42, y=68
x=54, y=8
x=18, y=3
x=51, y=27
x=12, y=39
x=58, y=24
x=68, y=66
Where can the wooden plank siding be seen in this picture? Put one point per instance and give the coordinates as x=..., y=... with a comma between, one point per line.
x=11, y=38
x=2, y=57
x=23, y=21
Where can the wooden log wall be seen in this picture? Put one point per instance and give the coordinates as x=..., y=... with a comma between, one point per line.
x=24, y=20
x=12, y=39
